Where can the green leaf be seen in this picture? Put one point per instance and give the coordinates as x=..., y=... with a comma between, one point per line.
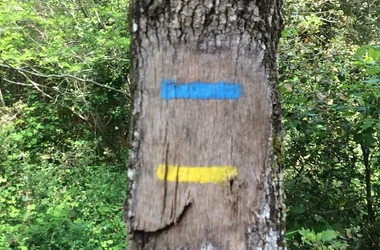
x=368, y=123
x=328, y=235
x=374, y=71
x=290, y=234
x=374, y=53
x=308, y=236
x=361, y=51
x=320, y=127
x=297, y=209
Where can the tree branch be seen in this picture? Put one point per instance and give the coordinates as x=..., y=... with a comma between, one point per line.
x=18, y=83
x=35, y=85
x=36, y=73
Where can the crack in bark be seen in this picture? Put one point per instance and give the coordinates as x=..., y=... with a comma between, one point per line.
x=176, y=192
x=166, y=172
x=142, y=236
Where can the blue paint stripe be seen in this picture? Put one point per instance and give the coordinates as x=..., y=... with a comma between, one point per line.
x=171, y=89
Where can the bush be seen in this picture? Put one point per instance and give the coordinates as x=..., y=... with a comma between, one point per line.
x=56, y=194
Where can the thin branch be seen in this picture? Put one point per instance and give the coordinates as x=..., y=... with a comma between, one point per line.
x=23, y=71
x=76, y=113
x=343, y=209
x=100, y=21
x=328, y=21
x=18, y=83
x=35, y=85
x=2, y=102
x=83, y=9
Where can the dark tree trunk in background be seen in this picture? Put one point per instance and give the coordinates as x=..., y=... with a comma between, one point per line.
x=206, y=143
x=371, y=212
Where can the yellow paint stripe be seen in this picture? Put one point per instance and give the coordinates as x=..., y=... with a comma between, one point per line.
x=196, y=174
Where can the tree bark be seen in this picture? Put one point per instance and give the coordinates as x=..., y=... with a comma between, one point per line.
x=2, y=102
x=206, y=158
x=368, y=186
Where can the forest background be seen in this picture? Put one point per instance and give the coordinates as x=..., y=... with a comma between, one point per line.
x=64, y=119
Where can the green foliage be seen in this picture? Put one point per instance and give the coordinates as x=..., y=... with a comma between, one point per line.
x=330, y=101
x=64, y=110
x=72, y=54
x=63, y=36
x=61, y=197
x=324, y=240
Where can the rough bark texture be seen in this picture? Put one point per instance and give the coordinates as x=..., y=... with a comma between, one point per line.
x=210, y=41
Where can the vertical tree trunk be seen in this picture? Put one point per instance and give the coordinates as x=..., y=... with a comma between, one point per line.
x=368, y=186
x=2, y=102
x=206, y=144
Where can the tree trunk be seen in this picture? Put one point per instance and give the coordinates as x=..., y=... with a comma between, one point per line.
x=2, y=102
x=206, y=153
x=368, y=186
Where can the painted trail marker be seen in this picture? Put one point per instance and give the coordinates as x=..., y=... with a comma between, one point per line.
x=171, y=89
x=196, y=174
